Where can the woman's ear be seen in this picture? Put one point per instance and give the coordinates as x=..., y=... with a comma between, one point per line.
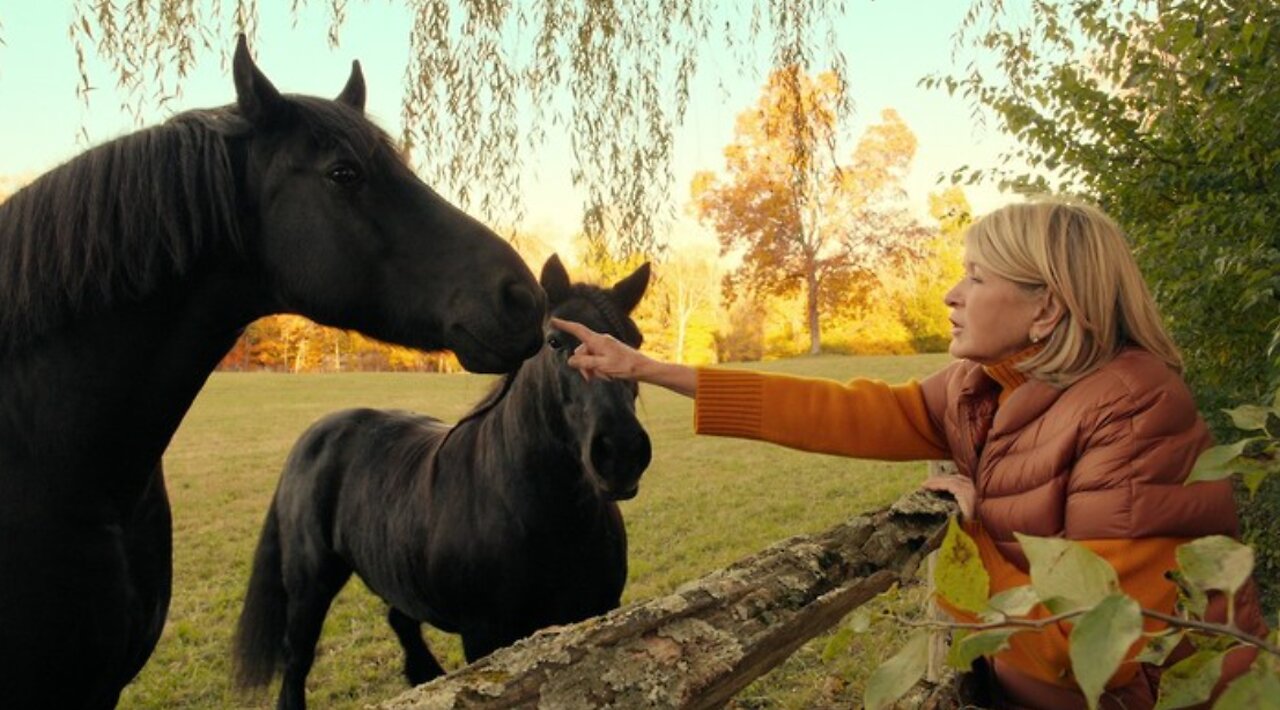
x=1051, y=312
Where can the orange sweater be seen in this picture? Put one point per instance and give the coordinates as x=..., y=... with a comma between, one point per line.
x=871, y=419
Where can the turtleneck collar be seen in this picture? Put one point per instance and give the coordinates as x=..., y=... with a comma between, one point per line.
x=1006, y=373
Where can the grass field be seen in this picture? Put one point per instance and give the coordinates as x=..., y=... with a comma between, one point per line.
x=703, y=503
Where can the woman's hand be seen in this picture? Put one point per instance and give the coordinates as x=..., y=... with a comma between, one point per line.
x=602, y=356
x=961, y=487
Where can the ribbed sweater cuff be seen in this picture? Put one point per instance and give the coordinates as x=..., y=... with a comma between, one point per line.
x=729, y=403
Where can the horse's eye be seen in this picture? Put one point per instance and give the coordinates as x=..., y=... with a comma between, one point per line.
x=554, y=342
x=344, y=174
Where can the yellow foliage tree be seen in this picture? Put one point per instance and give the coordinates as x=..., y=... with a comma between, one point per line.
x=288, y=343
x=804, y=221
x=684, y=299
x=920, y=291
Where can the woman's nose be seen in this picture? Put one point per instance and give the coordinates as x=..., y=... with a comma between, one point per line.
x=952, y=298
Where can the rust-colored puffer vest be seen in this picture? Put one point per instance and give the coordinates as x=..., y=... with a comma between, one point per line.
x=1102, y=459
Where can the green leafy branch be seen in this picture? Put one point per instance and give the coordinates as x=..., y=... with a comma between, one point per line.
x=1026, y=623
x=1254, y=457
x=1075, y=584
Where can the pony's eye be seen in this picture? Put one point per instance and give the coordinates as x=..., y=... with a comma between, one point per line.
x=554, y=342
x=344, y=174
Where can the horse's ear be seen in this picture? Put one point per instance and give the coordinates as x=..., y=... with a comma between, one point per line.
x=628, y=292
x=258, y=99
x=555, y=280
x=353, y=93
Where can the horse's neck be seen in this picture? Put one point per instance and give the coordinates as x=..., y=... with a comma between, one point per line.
x=114, y=386
x=526, y=436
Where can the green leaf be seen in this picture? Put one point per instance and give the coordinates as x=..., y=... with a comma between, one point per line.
x=1189, y=681
x=1158, y=648
x=1018, y=601
x=958, y=574
x=1214, y=462
x=1248, y=417
x=1253, y=480
x=1257, y=690
x=1099, y=641
x=1190, y=597
x=1216, y=562
x=1067, y=575
x=859, y=621
x=897, y=675
x=1211, y=641
x=838, y=644
x=982, y=643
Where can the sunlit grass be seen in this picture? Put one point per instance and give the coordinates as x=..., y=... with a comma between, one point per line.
x=703, y=503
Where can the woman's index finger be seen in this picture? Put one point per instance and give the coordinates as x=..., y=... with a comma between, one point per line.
x=577, y=330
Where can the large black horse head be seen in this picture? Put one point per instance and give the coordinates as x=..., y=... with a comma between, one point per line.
x=600, y=415
x=350, y=237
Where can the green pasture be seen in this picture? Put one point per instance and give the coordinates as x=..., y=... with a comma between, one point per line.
x=703, y=503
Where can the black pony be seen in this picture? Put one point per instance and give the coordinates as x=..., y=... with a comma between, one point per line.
x=127, y=273
x=498, y=526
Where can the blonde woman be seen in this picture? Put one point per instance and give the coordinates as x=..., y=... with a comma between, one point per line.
x=1065, y=413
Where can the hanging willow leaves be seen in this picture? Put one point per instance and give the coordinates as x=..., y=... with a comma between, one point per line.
x=488, y=79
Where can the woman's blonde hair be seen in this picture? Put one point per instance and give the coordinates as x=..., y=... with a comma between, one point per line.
x=1081, y=256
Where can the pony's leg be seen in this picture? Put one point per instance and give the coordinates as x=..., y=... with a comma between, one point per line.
x=310, y=591
x=479, y=640
x=420, y=665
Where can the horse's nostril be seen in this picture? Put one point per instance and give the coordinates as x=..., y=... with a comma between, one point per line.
x=624, y=455
x=603, y=445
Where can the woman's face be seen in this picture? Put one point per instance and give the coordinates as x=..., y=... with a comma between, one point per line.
x=991, y=317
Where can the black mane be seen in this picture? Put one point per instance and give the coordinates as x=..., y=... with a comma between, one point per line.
x=116, y=222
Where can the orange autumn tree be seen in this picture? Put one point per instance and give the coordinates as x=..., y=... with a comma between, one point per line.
x=803, y=220
x=289, y=343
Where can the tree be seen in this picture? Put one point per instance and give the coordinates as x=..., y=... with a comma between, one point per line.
x=804, y=221
x=487, y=78
x=684, y=292
x=1165, y=114
x=287, y=343
x=920, y=292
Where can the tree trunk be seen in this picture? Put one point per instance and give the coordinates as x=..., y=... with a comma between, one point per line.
x=811, y=312
x=682, y=325
x=700, y=645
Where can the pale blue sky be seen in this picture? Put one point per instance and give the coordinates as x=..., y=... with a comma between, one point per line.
x=889, y=45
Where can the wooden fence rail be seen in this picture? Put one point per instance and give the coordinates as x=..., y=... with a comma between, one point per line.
x=698, y=646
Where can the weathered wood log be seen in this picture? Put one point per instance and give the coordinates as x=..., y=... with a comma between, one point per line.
x=697, y=647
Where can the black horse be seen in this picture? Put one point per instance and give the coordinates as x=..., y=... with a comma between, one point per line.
x=494, y=528
x=127, y=273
